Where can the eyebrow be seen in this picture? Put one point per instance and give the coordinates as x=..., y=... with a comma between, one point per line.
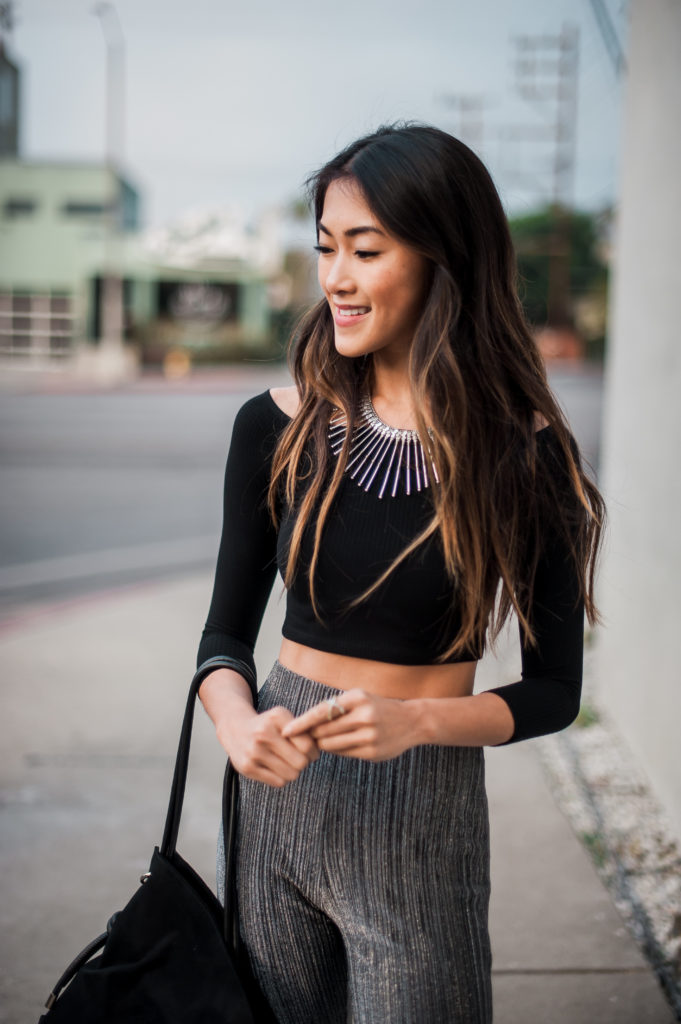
x=351, y=232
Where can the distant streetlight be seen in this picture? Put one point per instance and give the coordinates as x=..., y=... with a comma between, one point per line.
x=115, y=81
x=111, y=299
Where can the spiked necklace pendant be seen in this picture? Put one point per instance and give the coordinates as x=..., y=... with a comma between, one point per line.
x=390, y=457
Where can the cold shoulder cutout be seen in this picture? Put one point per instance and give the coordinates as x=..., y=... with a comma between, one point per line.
x=288, y=407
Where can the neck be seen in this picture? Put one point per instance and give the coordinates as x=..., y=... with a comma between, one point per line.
x=390, y=393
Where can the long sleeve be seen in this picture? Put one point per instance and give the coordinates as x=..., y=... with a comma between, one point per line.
x=246, y=564
x=546, y=699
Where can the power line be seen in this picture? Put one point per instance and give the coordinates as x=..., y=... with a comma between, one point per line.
x=609, y=35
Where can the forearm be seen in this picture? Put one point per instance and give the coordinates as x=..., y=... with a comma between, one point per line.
x=482, y=719
x=226, y=697
x=254, y=743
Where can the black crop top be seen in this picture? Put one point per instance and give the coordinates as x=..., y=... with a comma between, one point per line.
x=408, y=620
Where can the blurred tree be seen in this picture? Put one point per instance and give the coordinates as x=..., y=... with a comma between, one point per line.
x=296, y=287
x=298, y=209
x=585, y=235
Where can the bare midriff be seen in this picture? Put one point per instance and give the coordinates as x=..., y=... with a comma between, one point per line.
x=385, y=679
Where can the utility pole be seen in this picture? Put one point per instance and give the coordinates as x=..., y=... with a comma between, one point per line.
x=9, y=88
x=470, y=110
x=546, y=68
x=6, y=16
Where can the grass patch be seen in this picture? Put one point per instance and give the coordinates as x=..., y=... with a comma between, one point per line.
x=587, y=716
x=595, y=844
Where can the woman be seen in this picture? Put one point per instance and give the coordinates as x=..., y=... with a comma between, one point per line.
x=415, y=486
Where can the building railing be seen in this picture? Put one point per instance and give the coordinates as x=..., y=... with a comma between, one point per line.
x=37, y=324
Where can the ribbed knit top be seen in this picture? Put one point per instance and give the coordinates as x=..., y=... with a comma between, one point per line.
x=409, y=619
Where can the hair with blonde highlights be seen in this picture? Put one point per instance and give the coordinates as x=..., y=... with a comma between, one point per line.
x=473, y=364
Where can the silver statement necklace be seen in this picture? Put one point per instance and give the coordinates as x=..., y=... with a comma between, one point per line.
x=391, y=457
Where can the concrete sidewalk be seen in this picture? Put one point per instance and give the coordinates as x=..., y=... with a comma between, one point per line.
x=93, y=694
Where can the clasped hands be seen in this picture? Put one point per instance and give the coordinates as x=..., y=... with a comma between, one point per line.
x=279, y=746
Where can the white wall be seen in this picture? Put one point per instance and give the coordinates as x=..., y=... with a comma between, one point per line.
x=639, y=656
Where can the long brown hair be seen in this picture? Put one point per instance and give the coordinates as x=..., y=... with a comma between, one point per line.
x=474, y=364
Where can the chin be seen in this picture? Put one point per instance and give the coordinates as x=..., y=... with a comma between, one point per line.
x=349, y=349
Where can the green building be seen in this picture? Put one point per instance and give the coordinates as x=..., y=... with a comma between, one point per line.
x=66, y=227
x=60, y=224
x=76, y=271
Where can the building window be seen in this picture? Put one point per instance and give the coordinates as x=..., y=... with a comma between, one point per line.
x=86, y=208
x=36, y=323
x=18, y=207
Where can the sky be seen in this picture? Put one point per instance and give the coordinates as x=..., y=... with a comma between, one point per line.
x=230, y=103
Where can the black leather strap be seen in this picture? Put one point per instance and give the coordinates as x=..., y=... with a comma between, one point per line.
x=230, y=792
x=172, y=825
x=230, y=800
x=75, y=965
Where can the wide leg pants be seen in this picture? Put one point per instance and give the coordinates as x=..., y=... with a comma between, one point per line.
x=364, y=887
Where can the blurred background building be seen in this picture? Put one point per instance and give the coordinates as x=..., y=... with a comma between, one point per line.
x=56, y=221
x=206, y=289
x=202, y=286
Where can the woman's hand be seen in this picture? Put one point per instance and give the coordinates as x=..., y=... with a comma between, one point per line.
x=372, y=728
x=254, y=743
x=258, y=749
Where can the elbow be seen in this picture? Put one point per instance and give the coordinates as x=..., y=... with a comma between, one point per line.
x=572, y=690
x=568, y=715
x=566, y=709
x=573, y=711
x=541, y=706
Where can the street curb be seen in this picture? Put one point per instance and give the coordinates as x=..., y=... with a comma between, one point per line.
x=607, y=799
x=38, y=614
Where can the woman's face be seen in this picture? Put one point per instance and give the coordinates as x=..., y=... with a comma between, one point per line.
x=375, y=284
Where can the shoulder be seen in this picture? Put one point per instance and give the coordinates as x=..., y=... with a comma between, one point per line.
x=559, y=468
x=554, y=461
x=551, y=448
x=540, y=422
x=262, y=411
x=286, y=400
x=258, y=424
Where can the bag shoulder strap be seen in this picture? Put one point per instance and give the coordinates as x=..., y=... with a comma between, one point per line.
x=172, y=825
x=230, y=793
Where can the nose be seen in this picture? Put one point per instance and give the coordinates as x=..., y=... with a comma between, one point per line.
x=335, y=274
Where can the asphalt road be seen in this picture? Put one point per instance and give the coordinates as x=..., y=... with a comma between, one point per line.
x=104, y=490
x=99, y=490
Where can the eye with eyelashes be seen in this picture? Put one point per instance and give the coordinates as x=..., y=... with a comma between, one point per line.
x=362, y=254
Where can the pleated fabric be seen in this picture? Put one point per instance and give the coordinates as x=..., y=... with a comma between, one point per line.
x=364, y=887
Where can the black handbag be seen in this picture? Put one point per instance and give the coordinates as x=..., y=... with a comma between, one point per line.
x=173, y=954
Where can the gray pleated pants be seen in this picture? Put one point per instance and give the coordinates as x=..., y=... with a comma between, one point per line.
x=364, y=887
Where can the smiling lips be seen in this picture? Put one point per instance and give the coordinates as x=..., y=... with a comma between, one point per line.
x=346, y=316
